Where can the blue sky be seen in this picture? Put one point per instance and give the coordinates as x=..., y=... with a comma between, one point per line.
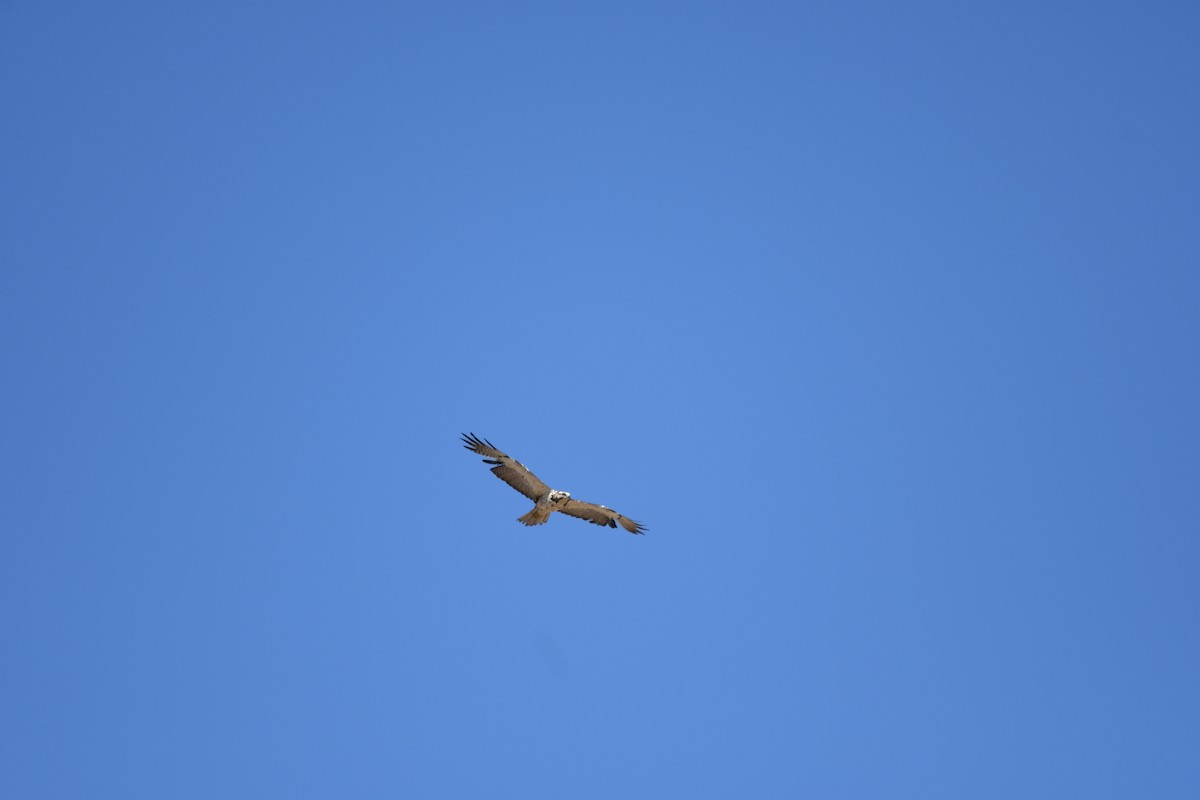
x=882, y=317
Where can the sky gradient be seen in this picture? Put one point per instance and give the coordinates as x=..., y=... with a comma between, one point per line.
x=882, y=318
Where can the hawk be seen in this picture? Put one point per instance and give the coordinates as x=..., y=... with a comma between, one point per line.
x=547, y=500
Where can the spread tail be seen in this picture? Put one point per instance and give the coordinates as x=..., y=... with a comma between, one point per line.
x=536, y=517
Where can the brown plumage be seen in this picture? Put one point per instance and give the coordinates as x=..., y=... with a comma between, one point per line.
x=546, y=500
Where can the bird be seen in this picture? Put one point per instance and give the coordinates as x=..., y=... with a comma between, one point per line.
x=546, y=500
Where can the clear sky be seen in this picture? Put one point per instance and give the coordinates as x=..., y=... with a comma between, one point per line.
x=883, y=317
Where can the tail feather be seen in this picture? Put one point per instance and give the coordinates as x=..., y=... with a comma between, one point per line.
x=537, y=516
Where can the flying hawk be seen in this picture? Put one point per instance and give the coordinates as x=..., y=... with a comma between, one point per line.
x=547, y=500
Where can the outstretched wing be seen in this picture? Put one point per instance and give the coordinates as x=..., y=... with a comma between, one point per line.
x=507, y=469
x=600, y=515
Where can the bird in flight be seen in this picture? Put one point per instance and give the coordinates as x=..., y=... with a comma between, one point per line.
x=546, y=500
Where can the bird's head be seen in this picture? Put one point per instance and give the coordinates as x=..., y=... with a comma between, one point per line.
x=558, y=497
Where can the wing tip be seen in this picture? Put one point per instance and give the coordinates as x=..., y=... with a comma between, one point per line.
x=472, y=439
x=476, y=444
